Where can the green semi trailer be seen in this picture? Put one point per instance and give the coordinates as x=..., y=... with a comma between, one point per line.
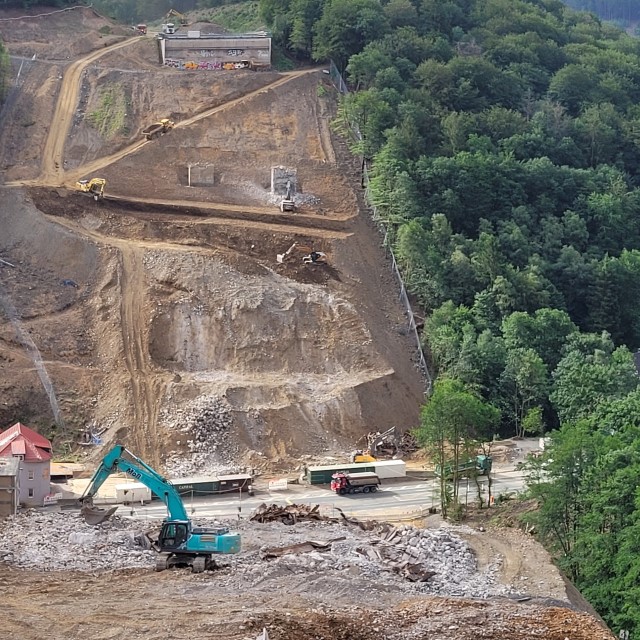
x=478, y=466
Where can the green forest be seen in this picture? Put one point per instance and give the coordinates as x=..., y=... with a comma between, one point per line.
x=503, y=140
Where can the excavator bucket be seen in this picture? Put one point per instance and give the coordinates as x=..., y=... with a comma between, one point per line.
x=95, y=515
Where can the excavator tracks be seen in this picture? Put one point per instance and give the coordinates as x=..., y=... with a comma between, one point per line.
x=199, y=564
x=162, y=561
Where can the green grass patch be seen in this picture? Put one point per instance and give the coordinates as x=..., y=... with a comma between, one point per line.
x=5, y=72
x=106, y=30
x=110, y=117
x=239, y=17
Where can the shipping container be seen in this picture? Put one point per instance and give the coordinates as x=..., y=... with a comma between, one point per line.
x=196, y=486
x=236, y=482
x=390, y=468
x=322, y=474
x=200, y=486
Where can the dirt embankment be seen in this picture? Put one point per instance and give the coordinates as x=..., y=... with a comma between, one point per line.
x=186, y=302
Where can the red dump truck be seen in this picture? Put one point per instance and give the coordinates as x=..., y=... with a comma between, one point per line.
x=344, y=482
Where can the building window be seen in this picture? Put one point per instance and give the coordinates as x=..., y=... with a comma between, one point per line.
x=31, y=493
x=31, y=475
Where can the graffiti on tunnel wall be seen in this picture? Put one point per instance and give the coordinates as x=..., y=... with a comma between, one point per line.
x=191, y=65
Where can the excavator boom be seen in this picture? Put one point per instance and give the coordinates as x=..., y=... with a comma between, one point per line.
x=115, y=460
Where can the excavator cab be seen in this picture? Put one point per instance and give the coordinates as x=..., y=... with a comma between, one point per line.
x=173, y=535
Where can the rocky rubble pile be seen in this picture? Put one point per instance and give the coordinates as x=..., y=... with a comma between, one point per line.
x=63, y=542
x=207, y=424
x=402, y=559
x=405, y=558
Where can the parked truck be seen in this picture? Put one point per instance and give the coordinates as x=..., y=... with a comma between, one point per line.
x=479, y=466
x=344, y=482
x=158, y=128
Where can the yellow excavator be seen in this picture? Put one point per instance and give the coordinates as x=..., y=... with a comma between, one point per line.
x=93, y=187
x=172, y=13
x=362, y=456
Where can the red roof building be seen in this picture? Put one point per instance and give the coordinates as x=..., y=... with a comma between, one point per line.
x=19, y=440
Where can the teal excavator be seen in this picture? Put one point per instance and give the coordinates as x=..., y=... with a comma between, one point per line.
x=179, y=543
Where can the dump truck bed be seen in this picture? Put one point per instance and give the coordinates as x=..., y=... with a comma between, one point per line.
x=366, y=477
x=152, y=129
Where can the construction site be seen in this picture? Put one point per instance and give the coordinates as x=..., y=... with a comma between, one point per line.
x=188, y=267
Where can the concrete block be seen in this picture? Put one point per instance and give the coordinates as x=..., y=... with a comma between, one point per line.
x=201, y=175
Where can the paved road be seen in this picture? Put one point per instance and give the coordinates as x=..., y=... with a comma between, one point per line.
x=398, y=498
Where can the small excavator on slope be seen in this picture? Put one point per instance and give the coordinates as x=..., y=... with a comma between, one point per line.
x=172, y=13
x=179, y=543
x=93, y=187
x=313, y=257
x=288, y=203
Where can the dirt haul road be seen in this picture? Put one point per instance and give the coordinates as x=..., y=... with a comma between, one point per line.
x=53, y=157
x=95, y=166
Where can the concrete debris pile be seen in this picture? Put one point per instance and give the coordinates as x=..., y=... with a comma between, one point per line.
x=207, y=424
x=300, y=547
x=289, y=514
x=419, y=555
x=404, y=558
x=62, y=541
